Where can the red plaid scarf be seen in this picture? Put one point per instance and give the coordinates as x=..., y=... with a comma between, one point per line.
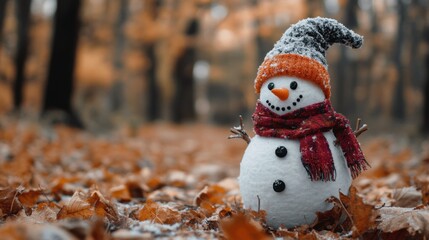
x=308, y=124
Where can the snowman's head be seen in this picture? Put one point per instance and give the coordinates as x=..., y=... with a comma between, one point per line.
x=285, y=94
x=300, y=53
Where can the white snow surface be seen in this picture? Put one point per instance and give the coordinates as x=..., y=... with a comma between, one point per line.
x=302, y=198
x=310, y=92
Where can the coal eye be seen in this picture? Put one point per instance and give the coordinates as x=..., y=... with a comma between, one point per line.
x=293, y=85
x=270, y=86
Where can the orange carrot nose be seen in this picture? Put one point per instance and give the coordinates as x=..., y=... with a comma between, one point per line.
x=281, y=93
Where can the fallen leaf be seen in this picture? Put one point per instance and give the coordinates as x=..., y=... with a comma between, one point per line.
x=159, y=214
x=60, y=183
x=103, y=207
x=8, y=201
x=23, y=231
x=329, y=219
x=242, y=227
x=213, y=194
x=394, y=219
x=425, y=192
x=10, y=232
x=28, y=198
x=76, y=208
x=407, y=197
x=43, y=213
x=121, y=193
x=135, y=190
x=362, y=215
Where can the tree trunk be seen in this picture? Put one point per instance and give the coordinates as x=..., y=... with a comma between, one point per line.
x=3, y=5
x=153, y=96
x=347, y=70
x=184, y=100
x=116, y=95
x=426, y=96
x=23, y=19
x=426, y=83
x=59, y=86
x=398, y=96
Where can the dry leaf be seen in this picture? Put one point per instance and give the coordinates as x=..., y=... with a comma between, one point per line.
x=102, y=207
x=242, y=227
x=425, y=192
x=76, y=208
x=313, y=235
x=407, y=197
x=362, y=214
x=135, y=190
x=8, y=201
x=329, y=219
x=21, y=231
x=29, y=198
x=11, y=232
x=43, y=213
x=394, y=219
x=213, y=194
x=159, y=214
x=121, y=193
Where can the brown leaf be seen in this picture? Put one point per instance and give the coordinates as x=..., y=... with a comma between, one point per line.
x=407, y=197
x=103, y=207
x=60, y=183
x=29, y=198
x=76, y=208
x=213, y=194
x=323, y=235
x=155, y=183
x=159, y=214
x=43, y=213
x=18, y=231
x=207, y=208
x=242, y=227
x=135, y=190
x=394, y=219
x=362, y=215
x=10, y=232
x=8, y=201
x=286, y=234
x=425, y=193
x=329, y=219
x=121, y=193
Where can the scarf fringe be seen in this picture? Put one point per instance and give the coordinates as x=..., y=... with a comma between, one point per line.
x=358, y=167
x=318, y=173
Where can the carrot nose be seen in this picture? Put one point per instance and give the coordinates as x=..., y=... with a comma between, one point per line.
x=281, y=93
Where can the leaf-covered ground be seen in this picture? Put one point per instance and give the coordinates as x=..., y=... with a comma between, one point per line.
x=164, y=181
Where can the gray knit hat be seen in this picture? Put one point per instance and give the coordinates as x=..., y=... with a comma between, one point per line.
x=302, y=46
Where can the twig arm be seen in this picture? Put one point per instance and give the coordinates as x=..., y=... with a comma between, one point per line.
x=359, y=130
x=239, y=132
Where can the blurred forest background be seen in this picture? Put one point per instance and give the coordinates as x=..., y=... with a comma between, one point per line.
x=103, y=64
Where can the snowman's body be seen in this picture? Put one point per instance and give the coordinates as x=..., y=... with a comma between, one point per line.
x=260, y=167
x=274, y=174
x=302, y=198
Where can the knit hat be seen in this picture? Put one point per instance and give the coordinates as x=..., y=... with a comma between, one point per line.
x=300, y=52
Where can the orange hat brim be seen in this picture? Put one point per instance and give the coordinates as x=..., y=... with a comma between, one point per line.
x=294, y=65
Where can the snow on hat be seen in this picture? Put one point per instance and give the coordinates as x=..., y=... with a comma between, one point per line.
x=300, y=52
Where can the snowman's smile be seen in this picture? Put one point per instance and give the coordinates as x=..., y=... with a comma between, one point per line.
x=283, y=108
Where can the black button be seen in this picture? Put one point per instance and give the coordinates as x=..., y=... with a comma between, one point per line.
x=281, y=152
x=279, y=186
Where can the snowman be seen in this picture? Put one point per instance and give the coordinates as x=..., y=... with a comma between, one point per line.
x=303, y=151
